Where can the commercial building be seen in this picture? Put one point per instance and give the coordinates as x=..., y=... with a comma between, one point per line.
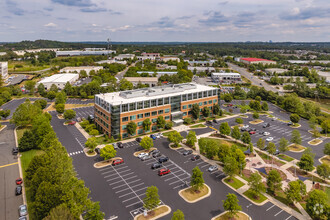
x=77, y=69
x=272, y=71
x=148, y=56
x=169, y=58
x=69, y=53
x=4, y=70
x=325, y=75
x=151, y=81
x=200, y=63
x=256, y=61
x=113, y=111
x=201, y=69
x=59, y=80
x=159, y=73
x=124, y=56
x=226, y=78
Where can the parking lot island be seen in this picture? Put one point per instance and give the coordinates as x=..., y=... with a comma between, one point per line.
x=240, y=215
x=156, y=213
x=105, y=163
x=191, y=196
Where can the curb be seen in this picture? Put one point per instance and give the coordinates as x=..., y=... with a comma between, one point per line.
x=109, y=164
x=158, y=216
x=3, y=127
x=315, y=144
x=196, y=200
x=217, y=216
x=297, y=151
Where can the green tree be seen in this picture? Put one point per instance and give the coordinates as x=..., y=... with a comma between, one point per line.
x=161, y=122
x=51, y=95
x=68, y=89
x=295, y=137
x=295, y=191
x=271, y=148
x=147, y=143
x=60, y=98
x=256, y=184
x=108, y=152
x=294, y=118
x=195, y=111
x=261, y=143
x=178, y=215
x=228, y=97
x=91, y=143
x=131, y=128
x=60, y=212
x=230, y=166
x=4, y=113
x=317, y=204
x=59, y=108
x=146, y=124
x=274, y=181
x=83, y=74
x=30, y=85
x=231, y=205
x=175, y=138
x=216, y=109
x=283, y=145
x=53, y=88
x=41, y=89
x=125, y=85
x=306, y=162
x=326, y=149
x=168, y=125
x=42, y=103
x=197, y=179
x=69, y=114
x=151, y=200
x=323, y=170
x=325, y=126
x=187, y=121
x=191, y=138
x=258, y=98
x=93, y=211
x=206, y=112
x=25, y=114
x=224, y=128
x=94, y=132
x=27, y=142
x=239, y=120
x=246, y=138
x=264, y=106
x=255, y=115
x=235, y=133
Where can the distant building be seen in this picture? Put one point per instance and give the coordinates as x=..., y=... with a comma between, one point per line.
x=148, y=56
x=4, y=70
x=124, y=56
x=157, y=72
x=3, y=53
x=325, y=75
x=70, y=53
x=165, y=66
x=256, y=61
x=151, y=81
x=77, y=69
x=166, y=59
x=272, y=71
x=59, y=80
x=201, y=69
x=226, y=78
x=124, y=62
x=201, y=62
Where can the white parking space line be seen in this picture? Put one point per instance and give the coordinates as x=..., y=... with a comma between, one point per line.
x=220, y=174
x=132, y=204
x=205, y=165
x=122, y=190
x=129, y=199
x=110, y=171
x=115, y=182
x=178, y=180
x=270, y=208
x=137, y=185
x=109, y=175
x=127, y=174
x=174, y=177
x=121, y=168
x=113, y=179
x=134, y=181
x=123, y=171
x=130, y=177
x=200, y=162
x=278, y=212
x=288, y=217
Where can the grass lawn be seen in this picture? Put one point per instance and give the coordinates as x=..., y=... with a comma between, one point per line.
x=154, y=213
x=326, y=160
x=235, y=183
x=22, y=66
x=239, y=215
x=296, y=147
x=198, y=126
x=68, y=106
x=327, y=190
x=250, y=195
x=256, y=121
x=20, y=132
x=285, y=157
x=230, y=143
x=281, y=196
x=268, y=159
x=190, y=194
x=166, y=134
x=315, y=141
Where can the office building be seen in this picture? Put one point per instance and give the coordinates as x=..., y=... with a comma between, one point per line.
x=4, y=70
x=151, y=81
x=250, y=61
x=199, y=69
x=226, y=78
x=59, y=80
x=77, y=69
x=113, y=111
x=69, y=53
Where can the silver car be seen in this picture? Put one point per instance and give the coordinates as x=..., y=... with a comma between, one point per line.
x=146, y=157
x=22, y=210
x=213, y=168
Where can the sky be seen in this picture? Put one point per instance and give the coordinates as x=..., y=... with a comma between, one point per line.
x=166, y=20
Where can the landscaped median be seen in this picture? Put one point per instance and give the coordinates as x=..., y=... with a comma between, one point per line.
x=259, y=199
x=225, y=216
x=106, y=162
x=191, y=196
x=257, y=121
x=315, y=141
x=233, y=182
x=296, y=148
x=156, y=213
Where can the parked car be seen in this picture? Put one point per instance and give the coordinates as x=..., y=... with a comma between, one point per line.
x=72, y=123
x=18, y=190
x=22, y=210
x=153, y=137
x=79, y=119
x=98, y=150
x=187, y=152
x=195, y=157
x=209, y=122
x=138, y=140
x=153, y=151
x=230, y=105
x=290, y=123
x=162, y=172
x=156, y=154
x=22, y=218
x=162, y=159
x=248, y=129
x=243, y=129
x=159, y=135
x=265, y=125
x=15, y=151
x=253, y=129
x=269, y=139
x=266, y=133
x=252, y=132
x=245, y=126
x=147, y=157
x=274, y=118
x=142, y=155
x=156, y=165
x=115, y=145
x=120, y=145
x=277, y=152
x=213, y=168
x=19, y=181
x=261, y=132
x=118, y=161
x=215, y=121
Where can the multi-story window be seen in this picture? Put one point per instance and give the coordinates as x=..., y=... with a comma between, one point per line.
x=214, y=101
x=154, y=113
x=160, y=112
x=154, y=128
x=210, y=93
x=153, y=103
x=195, y=95
x=190, y=106
x=140, y=131
x=210, y=101
x=185, y=114
x=139, y=116
x=205, y=103
x=124, y=108
x=147, y=114
x=124, y=119
x=167, y=110
x=132, y=117
x=205, y=94
x=184, y=97
x=140, y=105
x=140, y=123
x=160, y=101
x=200, y=95
x=147, y=104
x=167, y=117
x=132, y=106
x=124, y=127
x=154, y=120
x=201, y=103
x=189, y=96
x=184, y=107
x=166, y=101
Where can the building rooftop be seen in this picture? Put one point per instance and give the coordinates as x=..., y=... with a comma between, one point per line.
x=251, y=59
x=59, y=78
x=137, y=95
x=81, y=67
x=142, y=79
x=226, y=74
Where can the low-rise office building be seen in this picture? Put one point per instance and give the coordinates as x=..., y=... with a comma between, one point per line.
x=151, y=81
x=59, y=80
x=4, y=70
x=114, y=111
x=272, y=71
x=124, y=56
x=69, y=53
x=226, y=78
x=199, y=69
x=250, y=61
x=77, y=69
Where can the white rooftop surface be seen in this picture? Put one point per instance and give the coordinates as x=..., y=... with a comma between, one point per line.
x=116, y=99
x=226, y=74
x=59, y=78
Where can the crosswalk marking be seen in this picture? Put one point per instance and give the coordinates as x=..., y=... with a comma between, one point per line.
x=74, y=153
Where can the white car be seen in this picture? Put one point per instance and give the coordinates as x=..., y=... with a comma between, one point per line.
x=212, y=168
x=147, y=157
x=269, y=139
x=245, y=126
x=266, y=133
x=141, y=155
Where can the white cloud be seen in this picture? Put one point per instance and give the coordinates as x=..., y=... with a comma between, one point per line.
x=50, y=25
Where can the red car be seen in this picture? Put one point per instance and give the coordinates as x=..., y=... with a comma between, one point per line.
x=230, y=105
x=118, y=161
x=162, y=172
x=252, y=132
x=19, y=181
x=71, y=123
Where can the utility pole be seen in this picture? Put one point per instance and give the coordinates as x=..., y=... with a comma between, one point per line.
x=108, y=47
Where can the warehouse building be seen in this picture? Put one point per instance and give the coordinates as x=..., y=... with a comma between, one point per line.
x=4, y=70
x=199, y=69
x=59, y=80
x=77, y=69
x=272, y=71
x=69, y=53
x=250, y=61
x=226, y=78
x=113, y=111
x=151, y=81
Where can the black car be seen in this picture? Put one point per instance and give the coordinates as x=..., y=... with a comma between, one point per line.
x=195, y=157
x=290, y=123
x=162, y=159
x=209, y=122
x=253, y=129
x=138, y=140
x=156, y=154
x=248, y=129
x=98, y=150
x=153, y=151
x=120, y=145
x=156, y=165
x=243, y=129
x=15, y=151
x=187, y=152
x=215, y=121
x=18, y=190
x=266, y=125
